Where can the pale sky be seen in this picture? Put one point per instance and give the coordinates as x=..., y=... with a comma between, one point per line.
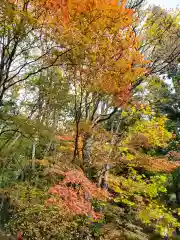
x=165, y=3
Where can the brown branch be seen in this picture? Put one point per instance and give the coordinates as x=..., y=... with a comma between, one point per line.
x=37, y=71
x=108, y=116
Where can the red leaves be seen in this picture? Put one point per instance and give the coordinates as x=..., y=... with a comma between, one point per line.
x=72, y=202
x=78, y=177
x=75, y=193
x=19, y=235
x=174, y=155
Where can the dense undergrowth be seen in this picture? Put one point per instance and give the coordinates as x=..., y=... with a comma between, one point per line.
x=133, y=207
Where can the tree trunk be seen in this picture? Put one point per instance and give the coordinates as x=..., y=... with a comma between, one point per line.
x=34, y=151
x=4, y=210
x=103, y=177
x=177, y=196
x=87, y=148
x=177, y=192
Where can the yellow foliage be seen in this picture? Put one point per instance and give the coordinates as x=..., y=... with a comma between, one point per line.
x=101, y=40
x=135, y=192
x=154, y=130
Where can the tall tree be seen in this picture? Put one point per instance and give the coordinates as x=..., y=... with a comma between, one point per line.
x=160, y=36
x=23, y=44
x=104, y=60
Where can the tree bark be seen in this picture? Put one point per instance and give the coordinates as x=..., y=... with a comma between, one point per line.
x=87, y=148
x=178, y=197
x=103, y=177
x=34, y=152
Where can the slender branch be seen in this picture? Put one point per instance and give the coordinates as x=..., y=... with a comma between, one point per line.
x=37, y=71
x=107, y=116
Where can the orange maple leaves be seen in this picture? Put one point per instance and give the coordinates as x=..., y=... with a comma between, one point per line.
x=101, y=40
x=65, y=137
x=156, y=164
x=67, y=7
x=162, y=165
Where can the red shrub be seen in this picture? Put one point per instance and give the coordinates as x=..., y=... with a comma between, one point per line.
x=174, y=155
x=75, y=192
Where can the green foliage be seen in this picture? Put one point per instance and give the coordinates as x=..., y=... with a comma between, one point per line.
x=138, y=185
x=160, y=218
x=142, y=194
x=38, y=221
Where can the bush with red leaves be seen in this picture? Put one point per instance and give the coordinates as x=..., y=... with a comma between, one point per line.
x=173, y=155
x=75, y=193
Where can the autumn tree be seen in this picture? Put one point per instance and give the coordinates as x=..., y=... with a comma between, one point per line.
x=104, y=63
x=158, y=30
